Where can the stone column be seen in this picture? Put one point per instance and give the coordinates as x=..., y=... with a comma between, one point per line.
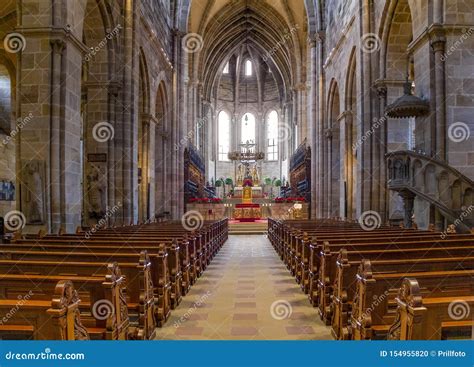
x=130, y=117
x=147, y=146
x=382, y=142
x=48, y=146
x=347, y=169
x=55, y=187
x=365, y=164
x=179, y=126
x=438, y=43
x=408, y=203
x=344, y=151
x=312, y=120
x=112, y=107
x=321, y=107
x=327, y=204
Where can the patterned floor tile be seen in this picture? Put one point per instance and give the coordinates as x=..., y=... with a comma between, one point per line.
x=245, y=293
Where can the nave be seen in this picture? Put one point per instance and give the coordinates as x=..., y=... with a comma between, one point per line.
x=245, y=293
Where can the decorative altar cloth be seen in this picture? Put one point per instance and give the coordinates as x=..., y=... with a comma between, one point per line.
x=247, y=212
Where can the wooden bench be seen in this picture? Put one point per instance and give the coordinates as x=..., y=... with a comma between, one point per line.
x=139, y=299
x=171, y=251
x=371, y=284
x=428, y=318
x=99, y=291
x=335, y=260
x=58, y=318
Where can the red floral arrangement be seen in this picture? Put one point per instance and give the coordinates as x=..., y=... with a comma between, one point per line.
x=290, y=199
x=247, y=182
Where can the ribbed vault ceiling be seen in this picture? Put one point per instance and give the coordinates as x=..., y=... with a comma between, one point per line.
x=273, y=30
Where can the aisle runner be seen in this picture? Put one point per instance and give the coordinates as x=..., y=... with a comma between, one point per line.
x=246, y=293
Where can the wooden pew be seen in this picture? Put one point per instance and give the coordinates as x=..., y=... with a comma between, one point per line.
x=368, y=316
x=97, y=293
x=178, y=260
x=139, y=300
x=56, y=319
x=426, y=318
x=343, y=267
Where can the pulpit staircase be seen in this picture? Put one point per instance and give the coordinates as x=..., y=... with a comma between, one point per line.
x=452, y=193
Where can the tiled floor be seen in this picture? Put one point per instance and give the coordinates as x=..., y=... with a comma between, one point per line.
x=246, y=293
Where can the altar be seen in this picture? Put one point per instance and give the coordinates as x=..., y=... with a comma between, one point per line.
x=247, y=212
x=257, y=192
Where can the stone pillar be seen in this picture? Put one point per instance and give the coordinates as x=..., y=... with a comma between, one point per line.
x=408, y=202
x=112, y=111
x=344, y=153
x=147, y=187
x=48, y=146
x=439, y=220
x=179, y=126
x=438, y=42
x=382, y=142
x=130, y=117
x=321, y=107
x=55, y=188
x=365, y=164
x=312, y=121
x=328, y=170
x=347, y=169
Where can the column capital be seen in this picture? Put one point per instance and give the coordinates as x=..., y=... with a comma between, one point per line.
x=437, y=36
x=58, y=45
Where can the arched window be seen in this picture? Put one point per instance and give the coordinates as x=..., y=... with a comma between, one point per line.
x=272, y=136
x=248, y=68
x=296, y=136
x=248, y=129
x=5, y=100
x=226, y=69
x=223, y=135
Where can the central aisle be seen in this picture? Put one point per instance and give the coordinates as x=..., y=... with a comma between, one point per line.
x=246, y=293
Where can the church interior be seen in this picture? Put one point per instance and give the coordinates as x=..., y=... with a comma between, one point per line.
x=236, y=169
